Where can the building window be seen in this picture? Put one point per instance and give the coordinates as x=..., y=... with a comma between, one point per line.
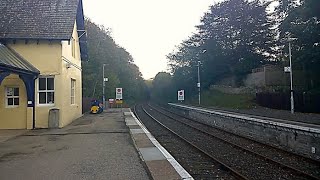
x=73, y=47
x=46, y=90
x=73, y=91
x=12, y=96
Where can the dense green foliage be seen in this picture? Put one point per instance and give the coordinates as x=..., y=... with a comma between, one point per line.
x=161, y=88
x=236, y=36
x=119, y=67
x=302, y=22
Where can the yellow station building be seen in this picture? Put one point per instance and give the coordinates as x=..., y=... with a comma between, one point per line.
x=42, y=44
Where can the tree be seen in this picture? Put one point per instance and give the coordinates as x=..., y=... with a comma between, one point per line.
x=162, y=89
x=302, y=22
x=237, y=36
x=119, y=67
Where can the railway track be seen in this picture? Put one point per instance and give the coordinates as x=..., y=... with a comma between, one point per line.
x=233, y=153
x=304, y=166
x=198, y=163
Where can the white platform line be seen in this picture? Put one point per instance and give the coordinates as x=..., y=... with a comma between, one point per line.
x=180, y=170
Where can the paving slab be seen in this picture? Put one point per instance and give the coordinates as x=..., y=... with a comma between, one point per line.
x=134, y=127
x=162, y=169
x=129, y=118
x=136, y=131
x=151, y=154
x=142, y=140
x=127, y=114
x=131, y=123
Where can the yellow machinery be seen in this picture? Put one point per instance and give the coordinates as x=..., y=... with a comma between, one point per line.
x=96, y=107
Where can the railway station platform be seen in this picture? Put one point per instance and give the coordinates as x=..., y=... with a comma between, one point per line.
x=299, y=122
x=110, y=145
x=298, y=134
x=159, y=162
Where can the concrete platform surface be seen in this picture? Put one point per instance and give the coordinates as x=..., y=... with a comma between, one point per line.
x=93, y=147
x=11, y=133
x=160, y=164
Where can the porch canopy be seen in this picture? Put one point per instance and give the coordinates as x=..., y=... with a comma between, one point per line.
x=12, y=63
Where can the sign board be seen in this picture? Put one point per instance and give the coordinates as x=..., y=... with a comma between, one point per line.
x=119, y=101
x=119, y=93
x=105, y=79
x=111, y=101
x=287, y=69
x=181, y=95
x=198, y=85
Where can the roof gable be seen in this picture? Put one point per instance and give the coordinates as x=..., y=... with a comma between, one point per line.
x=38, y=19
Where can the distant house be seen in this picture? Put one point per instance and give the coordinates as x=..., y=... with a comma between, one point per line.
x=42, y=44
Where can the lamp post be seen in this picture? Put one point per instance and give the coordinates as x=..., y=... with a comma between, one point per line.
x=103, y=85
x=104, y=79
x=289, y=39
x=291, y=79
x=198, y=84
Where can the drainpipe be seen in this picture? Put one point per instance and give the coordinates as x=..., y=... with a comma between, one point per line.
x=34, y=106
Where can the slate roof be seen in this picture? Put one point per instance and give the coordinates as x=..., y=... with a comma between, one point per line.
x=37, y=19
x=42, y=20
x=11, y=61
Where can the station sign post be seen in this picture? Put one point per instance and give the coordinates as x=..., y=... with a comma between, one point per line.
x=181, y=95
x=119, y=96
x=119, y=93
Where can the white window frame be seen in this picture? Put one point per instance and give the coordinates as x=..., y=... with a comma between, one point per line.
x=46, y=91
x=13, y=97
x=73, y=91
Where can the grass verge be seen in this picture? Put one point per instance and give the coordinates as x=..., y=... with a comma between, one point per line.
x=218, y=99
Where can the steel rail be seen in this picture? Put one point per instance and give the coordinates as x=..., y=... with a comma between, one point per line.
x=242, y=148
x=233, y=171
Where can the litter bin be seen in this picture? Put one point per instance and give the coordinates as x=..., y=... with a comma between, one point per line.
x=53, y=118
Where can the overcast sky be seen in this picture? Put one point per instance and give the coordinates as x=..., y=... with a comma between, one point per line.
x=148, y=29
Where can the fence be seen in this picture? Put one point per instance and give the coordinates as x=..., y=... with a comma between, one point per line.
x=86, y=104
x=303, y=102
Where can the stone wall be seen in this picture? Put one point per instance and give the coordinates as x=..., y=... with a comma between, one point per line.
x=297, y=141
x=276, y=78
x=255, y=79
